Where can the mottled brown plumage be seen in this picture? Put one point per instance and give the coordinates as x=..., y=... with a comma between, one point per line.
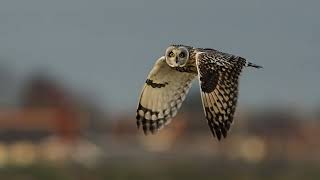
x=170, y=79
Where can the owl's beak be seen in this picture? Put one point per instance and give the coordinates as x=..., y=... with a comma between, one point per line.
x=177, y=60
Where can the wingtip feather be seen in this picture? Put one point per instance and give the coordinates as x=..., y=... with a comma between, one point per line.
x=254, y=65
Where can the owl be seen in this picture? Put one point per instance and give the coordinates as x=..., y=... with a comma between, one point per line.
x=171, y=77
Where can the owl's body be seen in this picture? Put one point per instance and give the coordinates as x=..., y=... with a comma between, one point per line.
x=170, y=80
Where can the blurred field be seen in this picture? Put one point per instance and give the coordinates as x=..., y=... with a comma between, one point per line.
x=168, y=169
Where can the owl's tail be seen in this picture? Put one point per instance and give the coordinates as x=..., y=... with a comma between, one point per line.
x=249, y=64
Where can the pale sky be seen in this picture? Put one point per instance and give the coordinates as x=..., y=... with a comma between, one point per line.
x=106, y=48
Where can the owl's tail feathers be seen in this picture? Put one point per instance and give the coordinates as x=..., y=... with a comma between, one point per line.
x=249, y=64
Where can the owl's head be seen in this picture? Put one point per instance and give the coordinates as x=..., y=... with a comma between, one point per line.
x=177, y=55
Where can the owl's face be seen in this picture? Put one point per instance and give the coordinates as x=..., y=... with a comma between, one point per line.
x=177, y=56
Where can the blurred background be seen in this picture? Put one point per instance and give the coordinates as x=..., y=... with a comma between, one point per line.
x=71, y=72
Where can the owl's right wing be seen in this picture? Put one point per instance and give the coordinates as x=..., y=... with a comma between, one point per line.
x=162, y=96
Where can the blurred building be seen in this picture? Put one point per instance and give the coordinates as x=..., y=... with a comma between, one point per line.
x=51, y=123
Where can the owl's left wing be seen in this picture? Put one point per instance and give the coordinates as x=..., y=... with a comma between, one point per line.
x=161, y=96
x=218, y=77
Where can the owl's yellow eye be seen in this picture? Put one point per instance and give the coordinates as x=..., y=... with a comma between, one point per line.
x=182, y=55
x=171, y=54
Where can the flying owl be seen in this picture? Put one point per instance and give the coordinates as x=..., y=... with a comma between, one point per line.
x=170, y=79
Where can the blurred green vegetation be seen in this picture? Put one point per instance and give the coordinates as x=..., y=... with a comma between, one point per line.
x=164, y=169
